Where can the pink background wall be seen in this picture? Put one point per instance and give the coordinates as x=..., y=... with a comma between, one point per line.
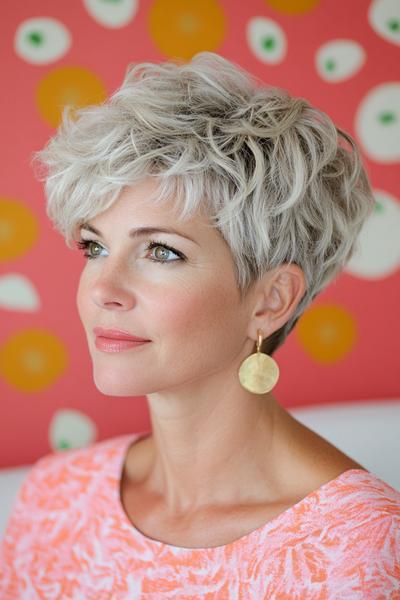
x=341, y=56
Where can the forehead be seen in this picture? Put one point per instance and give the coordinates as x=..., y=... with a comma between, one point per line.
x=140, y=199
x=135, y=208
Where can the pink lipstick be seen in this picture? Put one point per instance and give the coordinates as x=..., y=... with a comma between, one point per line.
x=116, y=340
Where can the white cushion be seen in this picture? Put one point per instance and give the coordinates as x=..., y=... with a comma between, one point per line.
x=10, y=482
x=369, y=432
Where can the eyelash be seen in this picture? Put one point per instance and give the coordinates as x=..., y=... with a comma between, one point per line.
x=84, y=245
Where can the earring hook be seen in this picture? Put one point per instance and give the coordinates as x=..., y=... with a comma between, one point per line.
x=259, y=339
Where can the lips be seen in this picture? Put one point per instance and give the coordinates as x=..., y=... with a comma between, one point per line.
x=117, y=334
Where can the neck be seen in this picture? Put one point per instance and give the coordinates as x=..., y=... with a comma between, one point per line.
x=211, y=449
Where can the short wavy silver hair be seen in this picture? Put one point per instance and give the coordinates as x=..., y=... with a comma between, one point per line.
x=272, y=172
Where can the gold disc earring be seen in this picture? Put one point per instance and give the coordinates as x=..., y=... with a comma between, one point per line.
x=259, y=372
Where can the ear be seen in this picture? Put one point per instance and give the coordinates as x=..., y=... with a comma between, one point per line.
x=278, y=294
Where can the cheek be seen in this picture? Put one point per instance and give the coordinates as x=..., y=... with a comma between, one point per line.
x=202, y=319
x=188, y=307
x=82, y=295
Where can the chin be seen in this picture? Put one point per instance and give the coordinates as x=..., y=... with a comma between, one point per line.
x=115, y=385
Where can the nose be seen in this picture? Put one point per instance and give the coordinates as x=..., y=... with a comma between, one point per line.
x=110, y=289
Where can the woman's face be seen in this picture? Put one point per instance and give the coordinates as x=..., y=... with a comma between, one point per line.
x=185, y=300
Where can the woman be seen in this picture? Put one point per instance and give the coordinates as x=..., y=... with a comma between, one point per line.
x=211, y=211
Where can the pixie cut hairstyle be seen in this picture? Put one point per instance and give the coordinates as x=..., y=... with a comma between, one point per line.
x=277, y=178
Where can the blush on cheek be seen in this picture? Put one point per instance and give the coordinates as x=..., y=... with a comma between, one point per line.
x=83, y=302
x=197, y=328
x=188, y=310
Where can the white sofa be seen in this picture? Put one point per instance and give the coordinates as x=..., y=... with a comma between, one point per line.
x=369, y=432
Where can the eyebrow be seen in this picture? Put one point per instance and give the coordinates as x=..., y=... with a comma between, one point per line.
x=141, y=231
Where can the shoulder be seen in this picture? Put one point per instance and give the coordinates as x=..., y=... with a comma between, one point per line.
x=362, y=489
x=60, y=495
x=361, y=516
x=344, y=536
x=57, y=469
x=60, y=481
x=363, y=524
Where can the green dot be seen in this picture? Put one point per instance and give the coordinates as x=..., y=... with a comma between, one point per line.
x=393, y=25
x=330, y=64
x=35, y=38
x=386, y=117
x=268, y=43
x=379, y=208
x=63, y=445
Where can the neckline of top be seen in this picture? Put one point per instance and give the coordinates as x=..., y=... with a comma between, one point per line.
x=128, y=440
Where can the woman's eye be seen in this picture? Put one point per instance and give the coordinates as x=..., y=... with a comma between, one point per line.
x=86, y=245
x=161, y=254
x=165, y=252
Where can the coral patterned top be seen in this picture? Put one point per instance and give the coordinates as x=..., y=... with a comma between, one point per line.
x=68, y=537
